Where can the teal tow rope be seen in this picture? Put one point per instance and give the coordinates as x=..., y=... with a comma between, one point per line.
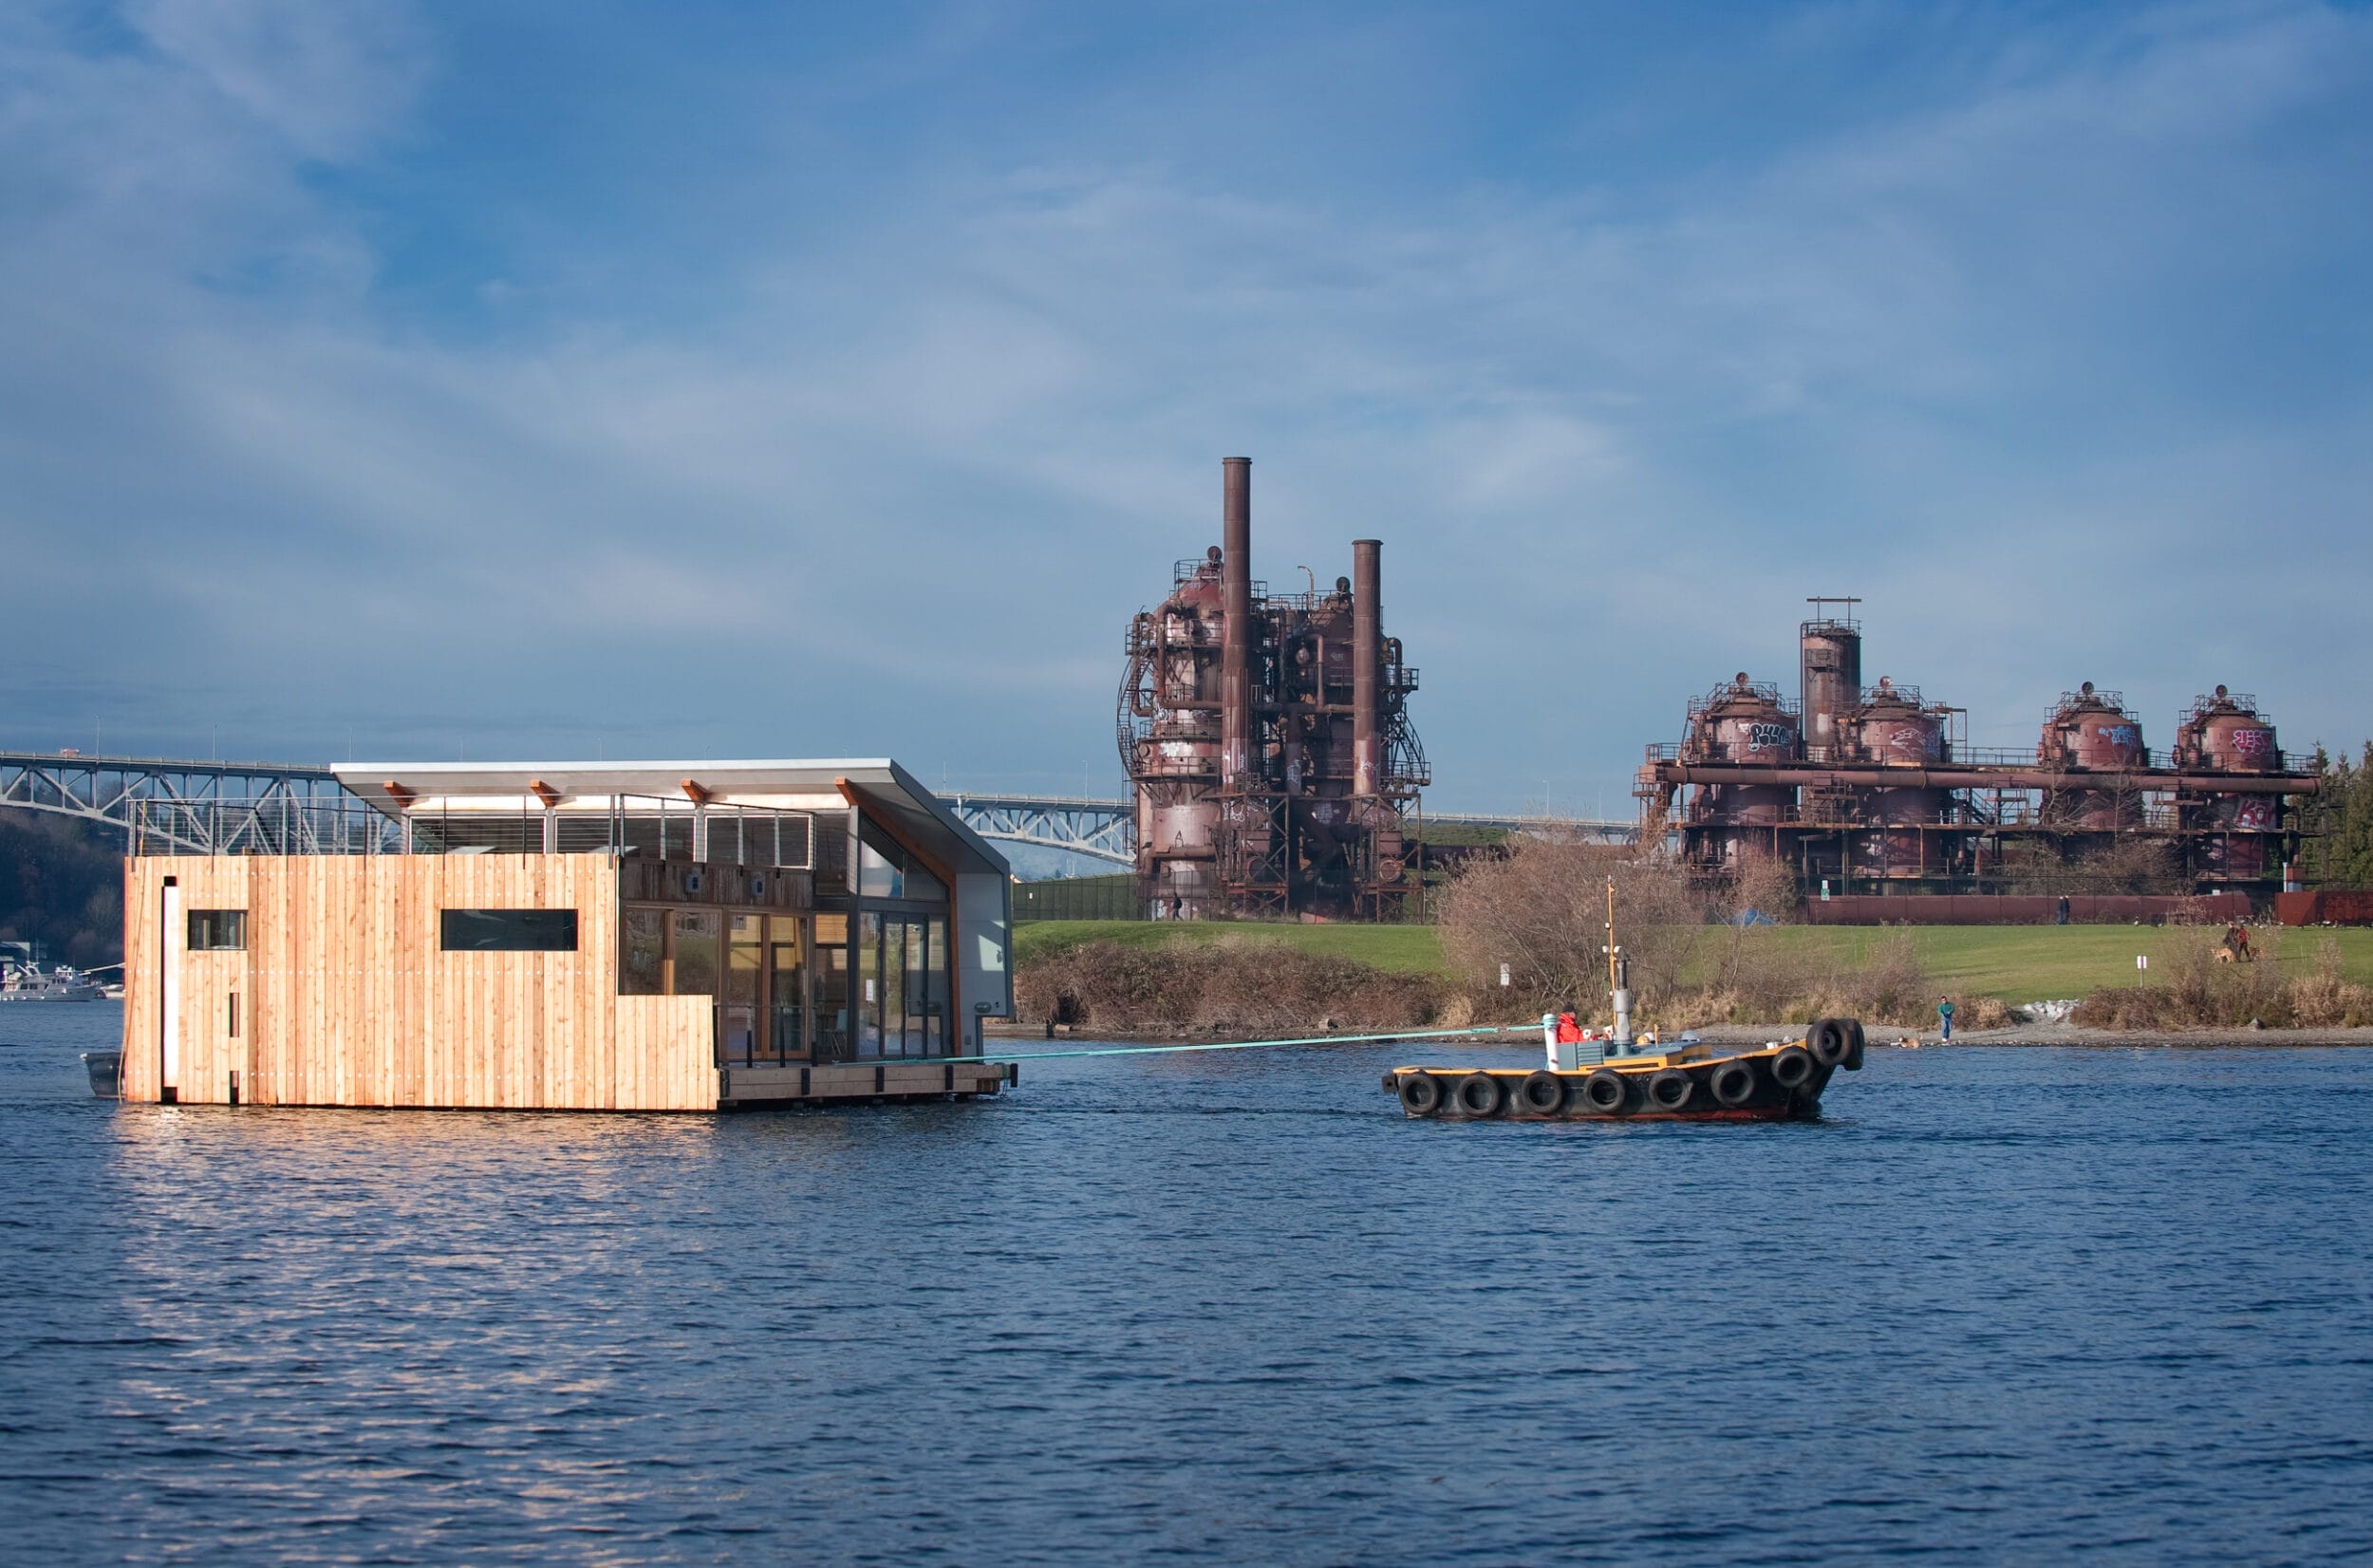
x=1222, y=1045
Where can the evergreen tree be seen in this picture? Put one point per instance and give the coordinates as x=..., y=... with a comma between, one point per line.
x=2340, y=816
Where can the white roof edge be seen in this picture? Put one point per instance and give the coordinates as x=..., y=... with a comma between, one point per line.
x=587, y=764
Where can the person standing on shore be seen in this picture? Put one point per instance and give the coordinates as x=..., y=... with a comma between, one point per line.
x=1944, y=1013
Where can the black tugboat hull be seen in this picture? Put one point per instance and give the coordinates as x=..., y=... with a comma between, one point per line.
x=1774, y=1083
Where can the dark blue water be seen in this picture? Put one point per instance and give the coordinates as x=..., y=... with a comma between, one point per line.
x=2002, y=1306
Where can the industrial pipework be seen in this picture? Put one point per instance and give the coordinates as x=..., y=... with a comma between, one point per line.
x=1873, y=786
x=1301, y=810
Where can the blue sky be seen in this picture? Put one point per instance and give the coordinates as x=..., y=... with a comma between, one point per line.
x=519, y=379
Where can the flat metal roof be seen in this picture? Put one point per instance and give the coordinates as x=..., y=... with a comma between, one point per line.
x=883, y=789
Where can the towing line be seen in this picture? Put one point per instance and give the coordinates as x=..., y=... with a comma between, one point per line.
x=1238, y=1045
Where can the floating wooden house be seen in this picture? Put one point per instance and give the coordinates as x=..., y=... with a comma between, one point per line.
x=570, y=936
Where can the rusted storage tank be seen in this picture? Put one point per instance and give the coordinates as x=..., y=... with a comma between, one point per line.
x=1172, y=738
x=1743, y=722
x=1830, y=674
x=1890, y=728
x=2225, y=732
x=2090, y=731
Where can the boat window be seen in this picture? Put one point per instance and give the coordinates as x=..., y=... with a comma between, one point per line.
x=508, y=931
x=218, y=930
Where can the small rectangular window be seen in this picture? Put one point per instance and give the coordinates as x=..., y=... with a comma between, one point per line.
x=218, y=930
x=508, y=931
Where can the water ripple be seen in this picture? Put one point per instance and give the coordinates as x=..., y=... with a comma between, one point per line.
x=2001, y=1307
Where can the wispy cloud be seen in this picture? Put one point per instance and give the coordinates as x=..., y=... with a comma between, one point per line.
x=864, y=427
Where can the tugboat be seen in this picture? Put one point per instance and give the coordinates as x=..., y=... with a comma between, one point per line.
x=1583, y=1081
x=1690, y=1083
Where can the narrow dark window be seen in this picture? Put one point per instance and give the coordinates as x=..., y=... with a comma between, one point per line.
x=218, y=930
x=509, y=931
x=234, y=1015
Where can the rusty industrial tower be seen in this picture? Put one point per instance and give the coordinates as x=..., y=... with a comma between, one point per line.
x=1874, y=787
x=1267, y=742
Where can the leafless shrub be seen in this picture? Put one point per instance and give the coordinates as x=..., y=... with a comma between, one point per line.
x=2126, y=863
x=1541, y=910
x=1237, y=985
x=2204, y=991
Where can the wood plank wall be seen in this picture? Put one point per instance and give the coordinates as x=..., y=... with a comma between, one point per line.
x=345, y=999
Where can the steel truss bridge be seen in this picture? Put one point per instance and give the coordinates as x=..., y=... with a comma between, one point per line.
x=199, y=808
x=226, y=807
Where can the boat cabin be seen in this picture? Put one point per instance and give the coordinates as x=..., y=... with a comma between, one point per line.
x=677, y=936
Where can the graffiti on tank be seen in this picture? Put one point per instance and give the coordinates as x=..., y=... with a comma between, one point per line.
x=2253, y=813
x=2124, y=738
x=1913, y=741
x=1771, y=738
x=2253, y=743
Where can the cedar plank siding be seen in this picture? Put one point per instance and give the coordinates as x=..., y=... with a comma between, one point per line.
x=345, y=998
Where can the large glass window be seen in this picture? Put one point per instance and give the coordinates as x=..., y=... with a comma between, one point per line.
x=932, y=936
x=902, y=970
x=831, y=855
x=508, y=931
x=745, y=953
x=868, y=985
x=879, y=875
x=642, y=945
x=787, y=986
x=696, y=956
x=831, y=988
x=885, y=870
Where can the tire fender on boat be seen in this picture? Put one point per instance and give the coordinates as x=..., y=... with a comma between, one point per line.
x=1670, y=1088
x=1479, y=1095
x=1541, y=1094
x=1606, y=1093
x=1792, y=1068
x=1733, y=1082
x=1421, y=1094
x=1853, y=1052
x=1829, y=1041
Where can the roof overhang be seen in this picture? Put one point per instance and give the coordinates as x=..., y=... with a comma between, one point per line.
x=877, y=785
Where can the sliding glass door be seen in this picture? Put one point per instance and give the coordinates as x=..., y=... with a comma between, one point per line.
x=902, y=970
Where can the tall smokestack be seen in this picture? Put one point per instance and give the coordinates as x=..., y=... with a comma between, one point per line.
x=1829, y=672
x=1367, y=669
x=1235, y=633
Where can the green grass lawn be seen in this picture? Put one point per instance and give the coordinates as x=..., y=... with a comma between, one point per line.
x=2014, y=963
x=2022, y=963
